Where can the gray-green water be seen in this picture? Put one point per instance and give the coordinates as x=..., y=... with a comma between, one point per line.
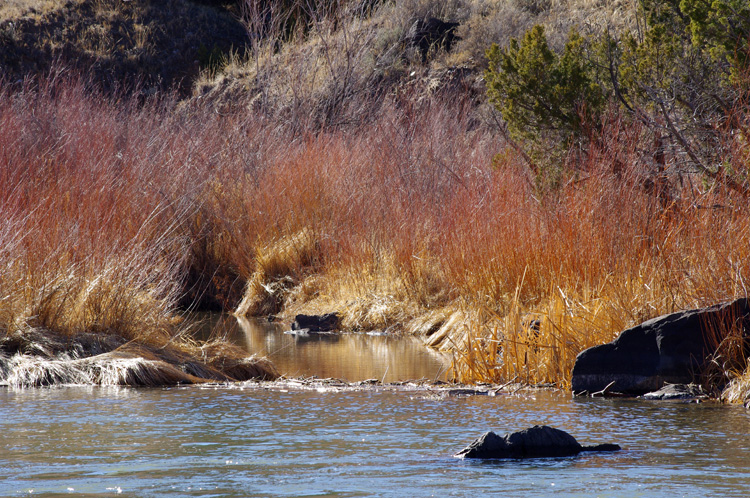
x=223, y=441
x=248, y=440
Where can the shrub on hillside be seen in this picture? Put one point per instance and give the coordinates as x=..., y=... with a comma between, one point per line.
x=682, y=76
x=542, y=95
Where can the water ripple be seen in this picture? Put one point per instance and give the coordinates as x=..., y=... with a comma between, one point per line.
x=228, y=442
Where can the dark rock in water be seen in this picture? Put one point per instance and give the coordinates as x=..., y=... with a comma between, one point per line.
x=536, y=442
x=316, y=323
x=677, y=392
x=671, y=349
x=431, y=32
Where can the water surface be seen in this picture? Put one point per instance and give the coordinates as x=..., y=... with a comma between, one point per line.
x=233, y=442
x=350, y=357
x=251, y=440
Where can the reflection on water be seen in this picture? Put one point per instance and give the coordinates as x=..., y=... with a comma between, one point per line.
x=351, y=357
x=248, y=442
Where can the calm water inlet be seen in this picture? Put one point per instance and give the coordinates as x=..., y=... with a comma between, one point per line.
x=251, y=441
x=350, y=357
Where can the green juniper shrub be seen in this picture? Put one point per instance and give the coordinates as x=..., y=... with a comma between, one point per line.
x=680, y=74
x=544, y=97
x=683, y=77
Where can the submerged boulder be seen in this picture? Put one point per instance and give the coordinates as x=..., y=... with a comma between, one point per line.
x=536, y=442
x=672, y=349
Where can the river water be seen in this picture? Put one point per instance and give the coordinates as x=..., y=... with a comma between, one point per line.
x=250, y=440
x=230, y=441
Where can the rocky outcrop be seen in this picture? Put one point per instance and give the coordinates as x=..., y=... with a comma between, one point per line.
x=673, y=348
x=536, y=442
x=316, y=323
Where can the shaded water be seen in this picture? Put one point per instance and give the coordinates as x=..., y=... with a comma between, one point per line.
x=251, y=441
x=350, y=357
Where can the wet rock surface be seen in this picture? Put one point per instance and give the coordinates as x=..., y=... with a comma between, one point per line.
x=540, y=441
x=672, y=349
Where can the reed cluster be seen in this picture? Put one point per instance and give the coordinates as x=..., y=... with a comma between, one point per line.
x=97, y=210
x=113, y=213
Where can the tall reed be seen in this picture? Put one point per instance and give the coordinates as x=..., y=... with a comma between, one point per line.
x=420, y=220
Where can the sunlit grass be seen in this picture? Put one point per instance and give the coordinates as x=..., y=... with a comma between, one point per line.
x=113, y=213
x=93, y=235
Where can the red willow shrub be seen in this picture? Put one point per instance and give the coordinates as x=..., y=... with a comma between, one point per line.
x=404, y=221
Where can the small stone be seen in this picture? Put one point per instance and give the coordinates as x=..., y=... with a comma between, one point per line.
x=316, y=323
x=677, y=392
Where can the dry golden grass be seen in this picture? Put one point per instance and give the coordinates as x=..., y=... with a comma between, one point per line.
x=334, y=72
x=279, y=267
x=14, y=9
x=497, y=21
x=401, y=223
x=603, y=260
x=89, y=244
x=738, y=390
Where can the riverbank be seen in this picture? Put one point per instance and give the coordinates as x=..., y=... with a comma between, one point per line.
x=43, y=358
x=348, y=159
x=117, y=214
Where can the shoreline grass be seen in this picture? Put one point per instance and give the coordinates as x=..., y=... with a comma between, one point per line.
x=417, y=221
x=90, y=244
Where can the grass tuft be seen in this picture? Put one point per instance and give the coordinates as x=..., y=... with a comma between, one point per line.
x=280, y=266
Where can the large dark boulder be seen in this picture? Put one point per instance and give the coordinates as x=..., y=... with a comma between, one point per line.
x=316, y=323
x=536, y=442
x=673, y=349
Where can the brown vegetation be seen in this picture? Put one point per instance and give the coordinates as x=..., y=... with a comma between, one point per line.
x=402, y=223
x=139, y=44
x=336, y=68
x=290, y=185
x=94, y=246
